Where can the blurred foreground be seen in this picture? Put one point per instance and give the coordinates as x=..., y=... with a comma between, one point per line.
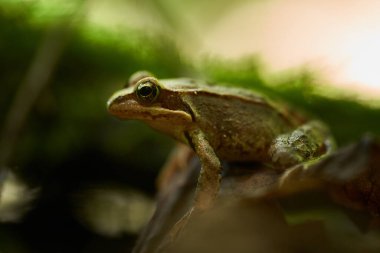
x=332, y=206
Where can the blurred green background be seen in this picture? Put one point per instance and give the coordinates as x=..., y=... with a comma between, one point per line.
x=91, y=175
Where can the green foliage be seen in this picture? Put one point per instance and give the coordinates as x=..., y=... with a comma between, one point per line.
x=96, y=63
x=348, y=117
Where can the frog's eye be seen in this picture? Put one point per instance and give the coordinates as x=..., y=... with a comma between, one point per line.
x=147, y=91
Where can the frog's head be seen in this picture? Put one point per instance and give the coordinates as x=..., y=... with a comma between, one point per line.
x=148, y=100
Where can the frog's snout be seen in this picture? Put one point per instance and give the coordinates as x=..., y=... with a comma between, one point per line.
x=109, y=102
x=114, y=103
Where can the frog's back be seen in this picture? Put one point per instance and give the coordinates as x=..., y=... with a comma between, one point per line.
x=240, y=125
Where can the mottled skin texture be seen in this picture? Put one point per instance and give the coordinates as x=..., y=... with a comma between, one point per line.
x=237, y=129
x=221, y=123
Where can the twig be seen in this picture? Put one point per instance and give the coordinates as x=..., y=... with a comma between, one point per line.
x=36, y=78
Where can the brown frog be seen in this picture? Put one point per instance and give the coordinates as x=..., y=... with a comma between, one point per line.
x=221, y=123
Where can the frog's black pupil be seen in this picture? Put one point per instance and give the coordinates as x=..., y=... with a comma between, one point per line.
x=145, y=90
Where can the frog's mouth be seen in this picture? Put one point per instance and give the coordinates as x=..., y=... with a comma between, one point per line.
x=130, y=109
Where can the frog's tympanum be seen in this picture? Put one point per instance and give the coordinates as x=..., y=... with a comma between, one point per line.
x=221, y=124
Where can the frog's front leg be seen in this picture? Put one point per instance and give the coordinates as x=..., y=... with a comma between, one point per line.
x=210, y=175
x=208, y=181
x=307, y=143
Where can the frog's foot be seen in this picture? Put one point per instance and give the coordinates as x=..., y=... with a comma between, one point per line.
x=306, y=143
x=180, y=225
x=176, y=231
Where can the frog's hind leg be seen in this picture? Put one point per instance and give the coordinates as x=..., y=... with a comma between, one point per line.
x=309, y=142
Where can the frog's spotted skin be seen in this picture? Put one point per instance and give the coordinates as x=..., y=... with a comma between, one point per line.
x=220, y=123
x=306, y=143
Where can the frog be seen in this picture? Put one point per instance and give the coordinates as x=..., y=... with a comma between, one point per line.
x=222, y=124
